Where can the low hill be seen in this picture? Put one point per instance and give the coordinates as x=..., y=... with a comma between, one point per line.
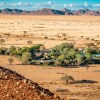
x=86, y=12
x=47, y=11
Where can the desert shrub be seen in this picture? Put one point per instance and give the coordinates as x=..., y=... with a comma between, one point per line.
x=90, y=44
x=61, y=61
x=13, y=53
x=20, y=51
x=2, y=41
x=64, y=38
x=25, y=33
x=45, y=37
x=58, y=62
x=3, y=51
x=10, y=60
x=79, y=59
x=29, y=42
x=12, y=50
x=67, y=78
x=87, y=38
x=33, y=62
x=64, y=34
x=90, y=50
x=48, y=62
x=35, y=48
x=26, y=57
x=89, y=53
x=42, y=48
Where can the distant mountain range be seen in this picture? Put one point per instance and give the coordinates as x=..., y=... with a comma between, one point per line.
x=47, y=11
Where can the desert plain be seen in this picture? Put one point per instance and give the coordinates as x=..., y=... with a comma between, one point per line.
x=81, y=31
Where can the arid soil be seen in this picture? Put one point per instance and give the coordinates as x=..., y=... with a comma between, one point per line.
x=86, y=86
x=79, y=30
x=82, y=31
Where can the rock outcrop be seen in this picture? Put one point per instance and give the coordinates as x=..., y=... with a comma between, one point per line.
x=16, y=87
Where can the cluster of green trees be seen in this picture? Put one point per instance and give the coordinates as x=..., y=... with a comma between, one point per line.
x=24, y=54
x=65, y=55
x=62, y=55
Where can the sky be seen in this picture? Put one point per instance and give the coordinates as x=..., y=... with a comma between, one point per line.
x=53, y=4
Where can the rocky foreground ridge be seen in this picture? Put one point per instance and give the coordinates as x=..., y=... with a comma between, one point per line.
x=16, y=87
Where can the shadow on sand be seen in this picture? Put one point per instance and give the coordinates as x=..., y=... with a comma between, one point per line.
x=84, y=81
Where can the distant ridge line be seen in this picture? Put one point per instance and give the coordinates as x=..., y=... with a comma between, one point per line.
x=47, y=11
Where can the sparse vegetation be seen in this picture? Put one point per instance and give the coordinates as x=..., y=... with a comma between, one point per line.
x=2, y=41
x=66, y=55
x=29, y=42
x=62, y=55
x=10, y=60
x=21, y=35
x=67, y=79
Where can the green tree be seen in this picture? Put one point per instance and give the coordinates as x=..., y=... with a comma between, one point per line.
x=89, y=50
x=79, y=59
x=3, y=51
x=26, y=57
x=35, y=48
x=63, y=54
x=12, y=50
x=42, y=48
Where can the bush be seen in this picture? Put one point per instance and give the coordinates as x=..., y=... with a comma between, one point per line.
x=29, y=42
x=79, y=59
x=42, y=48
x=26, y=57
x=67, y=78
x=90, y=51
x=35, y=48
x=2, y=41
x=10, y=60
x=20, y=51
x=12, y=48
x=33, y=62
x=3, y=51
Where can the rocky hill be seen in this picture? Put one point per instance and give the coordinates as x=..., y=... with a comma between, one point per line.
x=86, y=12
x=16, y=87
x=47, y=11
